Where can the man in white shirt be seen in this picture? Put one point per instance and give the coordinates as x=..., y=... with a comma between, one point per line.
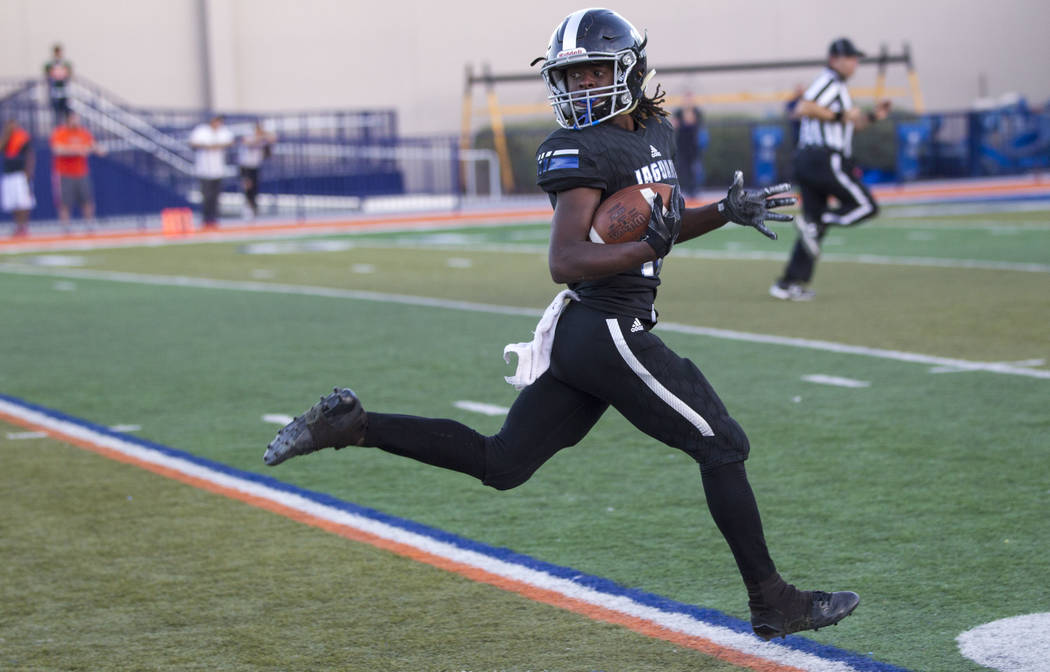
x=211, y=140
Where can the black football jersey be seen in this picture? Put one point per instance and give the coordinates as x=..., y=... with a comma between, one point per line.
x=609, y=158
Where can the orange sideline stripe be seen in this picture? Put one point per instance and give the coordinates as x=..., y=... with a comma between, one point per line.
x=534, y=593
x=974, y=189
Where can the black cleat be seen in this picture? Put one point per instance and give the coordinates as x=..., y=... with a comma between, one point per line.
x=824, y=609
x=337, y=421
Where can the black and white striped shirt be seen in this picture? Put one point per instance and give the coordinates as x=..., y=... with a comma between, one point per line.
x=828, y=90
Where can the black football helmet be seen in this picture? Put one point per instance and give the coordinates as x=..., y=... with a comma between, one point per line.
x=595, y=35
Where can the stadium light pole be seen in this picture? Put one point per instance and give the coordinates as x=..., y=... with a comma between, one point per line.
x=205, y=54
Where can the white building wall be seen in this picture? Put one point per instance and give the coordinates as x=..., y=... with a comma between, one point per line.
x=284, y=55
x=145, y=51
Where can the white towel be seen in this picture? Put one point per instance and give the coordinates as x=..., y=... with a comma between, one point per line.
x=534, y=357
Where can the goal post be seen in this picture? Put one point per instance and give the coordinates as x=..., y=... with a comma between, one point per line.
x=494, y=113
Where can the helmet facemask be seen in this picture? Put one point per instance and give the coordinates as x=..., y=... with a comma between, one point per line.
x=589, y=107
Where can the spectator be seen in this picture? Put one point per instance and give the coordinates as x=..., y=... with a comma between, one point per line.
x=251, y=152
x=16, y=193
x=210, y=141
x=71, y=145
x=58, y=72
x=689, y=122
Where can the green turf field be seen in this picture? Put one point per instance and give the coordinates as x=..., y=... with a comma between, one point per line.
x=924, y=491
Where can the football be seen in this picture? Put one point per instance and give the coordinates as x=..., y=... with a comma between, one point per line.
x=624, y=216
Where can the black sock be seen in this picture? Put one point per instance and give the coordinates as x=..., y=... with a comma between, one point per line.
x=441, y=443
x=733, y=507
x=776, y=593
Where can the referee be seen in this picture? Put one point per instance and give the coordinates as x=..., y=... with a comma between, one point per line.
x=824, y=166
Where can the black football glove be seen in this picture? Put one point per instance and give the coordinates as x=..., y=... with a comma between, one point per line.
x=752, y=208
x=664, y=227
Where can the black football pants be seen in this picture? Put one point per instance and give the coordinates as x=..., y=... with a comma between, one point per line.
x=598, y=360
x=210, y=192
x=822, y=173
x=601, y=360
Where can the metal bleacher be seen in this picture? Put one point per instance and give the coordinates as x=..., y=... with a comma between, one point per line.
x=324, y=162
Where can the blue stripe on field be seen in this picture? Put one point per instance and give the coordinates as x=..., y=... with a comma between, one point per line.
x=711, y=616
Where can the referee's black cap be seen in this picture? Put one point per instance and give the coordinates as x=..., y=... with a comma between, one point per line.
x=844, y=47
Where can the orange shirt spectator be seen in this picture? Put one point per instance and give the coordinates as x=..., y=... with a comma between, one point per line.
x=16, y=164
x=71, y=146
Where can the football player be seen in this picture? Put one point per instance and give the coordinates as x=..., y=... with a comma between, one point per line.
x=594, y=347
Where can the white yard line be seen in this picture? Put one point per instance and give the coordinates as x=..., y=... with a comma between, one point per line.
x=21, y=436
x=1022, y=363
x=837, y=381
x=483, y=408
x=381, y=297
x=732, y=255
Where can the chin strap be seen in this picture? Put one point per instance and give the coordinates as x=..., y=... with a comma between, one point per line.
x=645, y=81
x=641, y=91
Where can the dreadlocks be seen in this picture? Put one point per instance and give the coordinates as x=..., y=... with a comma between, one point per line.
x=648, y=108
